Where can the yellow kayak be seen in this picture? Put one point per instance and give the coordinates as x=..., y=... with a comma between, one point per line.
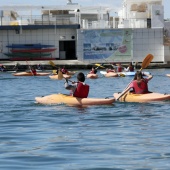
x=130, y=97
x=72, y=101
x=30, y=74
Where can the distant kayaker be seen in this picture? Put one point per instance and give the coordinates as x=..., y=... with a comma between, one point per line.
x=139, y=84
x=130, y=67
x=2, y=67
x=64, y=70
x=33, y=70
x=93, y=70
x=79, y=88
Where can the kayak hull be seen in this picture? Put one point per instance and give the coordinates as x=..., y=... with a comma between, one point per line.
x=168, y=75
x=30, y=74
x=130, y=97
x=92, y=76
x=55, y=77
x=111, y=74
x=72, y=101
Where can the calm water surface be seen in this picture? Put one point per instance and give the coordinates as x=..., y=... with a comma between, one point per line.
x=122, y=136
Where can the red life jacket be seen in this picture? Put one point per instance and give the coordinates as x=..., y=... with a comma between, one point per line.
x=82, y=90
x=131, y=68
x=142, y=89
x=119, y=69
x=34, y=72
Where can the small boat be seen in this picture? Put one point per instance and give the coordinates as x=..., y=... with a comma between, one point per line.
x=28, y=46
x=123, y=73
x=168, y=75
x=72, y=101
x=56, y=76
x=92, y=76
x=30, y=74
x=43, y=50
x=131, y=97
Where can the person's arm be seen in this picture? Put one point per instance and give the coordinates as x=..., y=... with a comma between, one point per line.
x=126, y=69
x=149, y=76
x=69, y=86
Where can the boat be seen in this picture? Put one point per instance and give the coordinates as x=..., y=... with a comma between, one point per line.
x=168, y=75
x=28, y=46
x=110, y=74
x=30, y=74
x=124, y=73
x=55, y=77
x=27, y=54
x=43, y=50
x=92, y=76
x=72, y=101
x=148, y=97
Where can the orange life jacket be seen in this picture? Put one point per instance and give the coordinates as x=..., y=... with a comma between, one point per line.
x=82, y=90
x=142, y=89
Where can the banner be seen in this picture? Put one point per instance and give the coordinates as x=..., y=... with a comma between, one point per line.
x=113, y=44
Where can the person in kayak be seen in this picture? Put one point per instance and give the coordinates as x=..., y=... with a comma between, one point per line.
x=33, y=70
x=79, y=88
x=64, y=70
x=130, y=67
x=139, y=84
x=93, y=70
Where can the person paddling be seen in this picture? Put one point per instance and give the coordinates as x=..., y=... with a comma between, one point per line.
x=139, y=84
x=79, y=88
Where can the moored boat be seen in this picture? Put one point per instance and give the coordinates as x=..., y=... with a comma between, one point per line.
x=56, y=76
x=92, y=76
x=30, y=74
x=73, y=101
x=131, y=97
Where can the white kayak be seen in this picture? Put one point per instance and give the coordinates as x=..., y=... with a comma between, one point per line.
x=124, y=73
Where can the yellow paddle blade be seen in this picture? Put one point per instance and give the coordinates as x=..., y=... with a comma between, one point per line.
x=121, y=75
x=147, y=61
x=54, y=71
x=60, y=75
x=52, y=63
x=99, y=65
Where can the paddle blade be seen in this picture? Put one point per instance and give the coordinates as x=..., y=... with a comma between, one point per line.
x=52, y=63
x=60, y=75
x=99, y=65
x=147, y=61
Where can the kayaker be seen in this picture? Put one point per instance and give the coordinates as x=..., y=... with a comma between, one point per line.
x=93, y=70
x=109, y=69
x=130, y=67
x=2, y=67
x=33, y=70
x=64, y=70
x=79, y=88
x=139, y=84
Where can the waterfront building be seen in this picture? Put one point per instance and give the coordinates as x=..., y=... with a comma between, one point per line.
x=89, y=34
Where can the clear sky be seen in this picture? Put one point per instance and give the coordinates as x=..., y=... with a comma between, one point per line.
x=115, y=4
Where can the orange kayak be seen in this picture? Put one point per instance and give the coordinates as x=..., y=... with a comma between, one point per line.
x=168, y=75
x=130, y=97
x=92, y=76
x=72, y=101
x=30, y=74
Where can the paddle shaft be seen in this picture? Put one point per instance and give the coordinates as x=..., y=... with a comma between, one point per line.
x=30, y=68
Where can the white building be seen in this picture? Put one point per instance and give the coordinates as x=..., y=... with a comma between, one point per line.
x=89, y=34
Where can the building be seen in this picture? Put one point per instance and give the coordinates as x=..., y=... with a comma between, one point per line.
x=89, y=34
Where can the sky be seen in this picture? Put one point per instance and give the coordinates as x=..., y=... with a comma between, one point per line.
x=114, y=4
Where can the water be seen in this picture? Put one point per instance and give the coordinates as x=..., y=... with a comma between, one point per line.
x=122, y=136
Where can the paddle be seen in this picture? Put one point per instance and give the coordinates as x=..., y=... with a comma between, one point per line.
x=60, y=76
x=145, y=63
x=30, y=68
x=99, y=65
x=52, y=63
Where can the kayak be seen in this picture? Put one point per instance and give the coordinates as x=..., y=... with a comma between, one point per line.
x=92, y=76
x=72, y=101
x=168, y=75
x=124, y=73
x=30, y=74
x=110, y=74
x=56, y=76
x=130, y=97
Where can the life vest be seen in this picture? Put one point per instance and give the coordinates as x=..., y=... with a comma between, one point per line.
x=64, y=71
x=131, y=68
x=34, y=72
x=142, y=89
x=119, y=69
x=82, y=90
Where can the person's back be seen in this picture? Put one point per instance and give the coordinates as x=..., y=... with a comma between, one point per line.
x=78, y=89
